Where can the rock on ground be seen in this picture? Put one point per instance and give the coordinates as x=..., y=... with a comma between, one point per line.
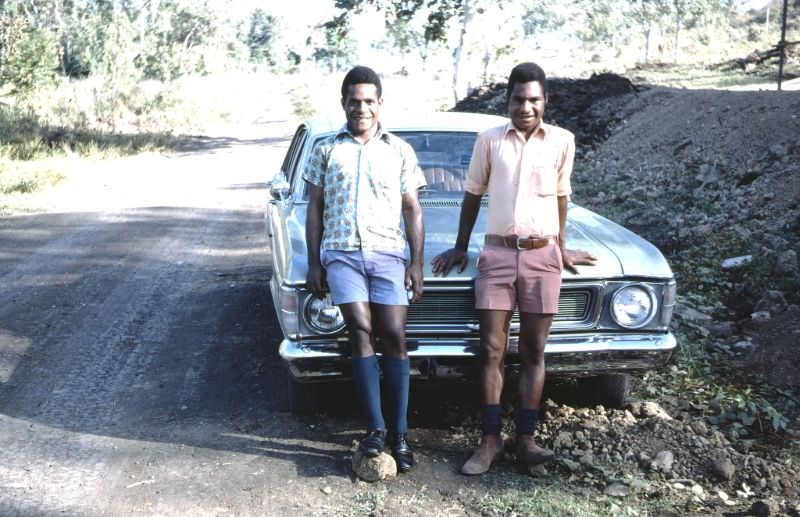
x=379, y=468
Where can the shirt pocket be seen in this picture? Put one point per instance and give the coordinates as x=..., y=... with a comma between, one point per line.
x=544, y=181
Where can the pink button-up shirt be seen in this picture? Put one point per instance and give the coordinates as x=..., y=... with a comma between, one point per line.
x=523, y=178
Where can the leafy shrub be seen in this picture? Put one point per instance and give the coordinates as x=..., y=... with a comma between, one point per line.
x=29, y=55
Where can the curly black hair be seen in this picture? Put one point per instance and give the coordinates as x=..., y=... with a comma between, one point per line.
x=361, y=75
x=525, y=73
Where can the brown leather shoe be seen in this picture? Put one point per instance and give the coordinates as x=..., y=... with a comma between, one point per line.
x=531, y=454
x=490, y=449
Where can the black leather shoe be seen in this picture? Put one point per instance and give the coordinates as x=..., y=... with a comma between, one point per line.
x=373, y=443
x=402, y=454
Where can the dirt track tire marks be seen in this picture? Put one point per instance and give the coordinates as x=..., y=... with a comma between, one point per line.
x=138, y=351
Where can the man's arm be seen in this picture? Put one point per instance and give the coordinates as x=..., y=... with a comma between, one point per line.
x=570, y=258
x=315, y=278
x=415, y=233
x=443, y=263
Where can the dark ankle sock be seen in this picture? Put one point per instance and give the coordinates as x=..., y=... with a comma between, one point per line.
x=490, y=419
x=526, y=420
x=367, y=379
x=395, y=371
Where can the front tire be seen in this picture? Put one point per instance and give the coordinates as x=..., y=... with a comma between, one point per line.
x=304, y=397
x=608, y=390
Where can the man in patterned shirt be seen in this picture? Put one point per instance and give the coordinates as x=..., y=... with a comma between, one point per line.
x=361, y=181
x=525, y=166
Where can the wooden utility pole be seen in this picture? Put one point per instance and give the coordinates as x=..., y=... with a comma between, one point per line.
x=782, y=44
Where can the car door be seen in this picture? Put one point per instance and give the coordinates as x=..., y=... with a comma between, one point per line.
x=281, y=202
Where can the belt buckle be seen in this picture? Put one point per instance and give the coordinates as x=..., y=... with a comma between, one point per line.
x=519, y=248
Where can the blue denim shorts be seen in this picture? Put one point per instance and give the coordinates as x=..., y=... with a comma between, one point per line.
x=366, y=276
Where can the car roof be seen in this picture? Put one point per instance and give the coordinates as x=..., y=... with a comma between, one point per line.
x=429, y=121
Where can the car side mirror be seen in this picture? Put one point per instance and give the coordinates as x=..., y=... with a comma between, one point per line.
x=279, y=187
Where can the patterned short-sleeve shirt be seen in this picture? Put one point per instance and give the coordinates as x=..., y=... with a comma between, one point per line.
x=363, y=186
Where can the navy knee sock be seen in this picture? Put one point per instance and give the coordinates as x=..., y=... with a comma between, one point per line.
x=367, y=379
x=526, y=420
x=490, y=419
x=396, y=373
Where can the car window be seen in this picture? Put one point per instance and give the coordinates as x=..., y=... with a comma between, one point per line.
x=443, y=157
x=290, y=160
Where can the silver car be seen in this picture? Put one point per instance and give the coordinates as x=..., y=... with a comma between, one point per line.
x=613, y=317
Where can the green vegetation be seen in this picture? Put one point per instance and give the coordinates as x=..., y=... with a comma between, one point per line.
x=712, y=77
x=115, y=77
x=25, y=137
x=556, y=499
x=15, y=179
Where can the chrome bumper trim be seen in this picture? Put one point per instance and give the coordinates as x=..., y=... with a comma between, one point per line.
x=456, y=358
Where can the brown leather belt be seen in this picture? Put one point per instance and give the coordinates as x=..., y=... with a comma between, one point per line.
x=520, y=243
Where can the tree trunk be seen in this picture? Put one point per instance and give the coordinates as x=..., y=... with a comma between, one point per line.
x=678, y=22
x=58, y=17
x=766, y=23
x=487, y=58
x=460, y=48
x=648, y=31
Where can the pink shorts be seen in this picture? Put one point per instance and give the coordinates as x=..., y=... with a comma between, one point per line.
x=530, y=278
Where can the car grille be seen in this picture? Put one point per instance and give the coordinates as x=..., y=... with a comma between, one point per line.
x=447, y=203
x=576, y=308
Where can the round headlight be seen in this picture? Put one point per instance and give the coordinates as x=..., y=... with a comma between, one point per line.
x=633, y=306
x=323, y=316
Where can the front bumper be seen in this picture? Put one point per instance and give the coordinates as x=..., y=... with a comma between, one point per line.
x=451, y=358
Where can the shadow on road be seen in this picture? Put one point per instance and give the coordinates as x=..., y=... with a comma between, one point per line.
x=194, y=144
x=156, y=325
x=153, y=325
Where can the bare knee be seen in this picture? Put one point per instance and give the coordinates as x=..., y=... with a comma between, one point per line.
x=392, y=340
x=493, y=351
x=531, y=351
x=359, y=332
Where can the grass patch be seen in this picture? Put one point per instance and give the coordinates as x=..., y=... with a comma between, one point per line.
x=557, y=499
x=369, y=503
x=42, y=134
x=301, y=103
x=25, y=178
x=25, y=137
x=711, y=77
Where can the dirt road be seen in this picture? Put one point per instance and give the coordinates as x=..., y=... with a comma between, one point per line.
x=138, y=366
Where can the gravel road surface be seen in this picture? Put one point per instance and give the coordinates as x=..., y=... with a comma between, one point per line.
x=138, y=348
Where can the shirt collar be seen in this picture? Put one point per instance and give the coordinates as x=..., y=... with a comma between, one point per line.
x=344, y=131
x=542, y=128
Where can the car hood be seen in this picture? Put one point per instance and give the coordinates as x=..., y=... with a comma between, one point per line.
x=440, y=232
x=620, y=253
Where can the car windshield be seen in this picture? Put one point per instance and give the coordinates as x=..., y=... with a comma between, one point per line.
x=443, y=157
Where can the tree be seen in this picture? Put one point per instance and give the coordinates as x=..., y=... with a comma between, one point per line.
x=605, y=22
x=336, y=48
x=261, y=37
x=649, y=15
x=28, y=50
x=683, y=11
x=542, y=17
x=442, y=17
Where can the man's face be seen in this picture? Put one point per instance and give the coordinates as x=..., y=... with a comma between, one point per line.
x=361, y=106
x=526, y=105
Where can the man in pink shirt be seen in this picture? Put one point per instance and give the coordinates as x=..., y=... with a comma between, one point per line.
x=525, y=166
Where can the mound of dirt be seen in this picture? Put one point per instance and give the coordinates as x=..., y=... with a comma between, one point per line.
x=575, y=104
